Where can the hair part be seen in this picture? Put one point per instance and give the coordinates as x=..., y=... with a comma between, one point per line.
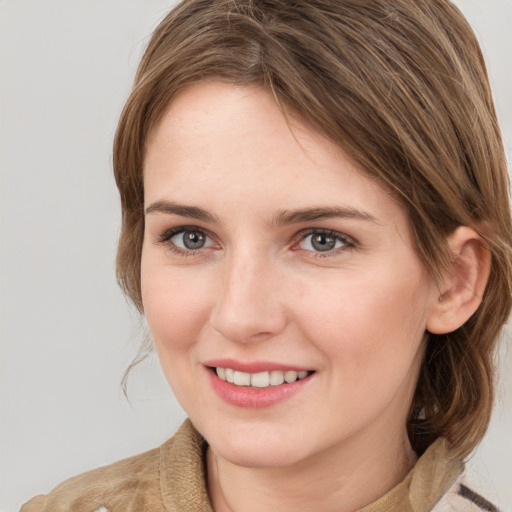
x=402, y=87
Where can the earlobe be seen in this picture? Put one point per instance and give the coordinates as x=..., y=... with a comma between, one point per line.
x=462, y=290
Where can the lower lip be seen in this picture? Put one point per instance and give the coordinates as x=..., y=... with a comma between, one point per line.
x=255, y=398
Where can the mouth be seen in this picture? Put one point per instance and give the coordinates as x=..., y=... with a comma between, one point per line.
x=260, y=380
x=257, y=384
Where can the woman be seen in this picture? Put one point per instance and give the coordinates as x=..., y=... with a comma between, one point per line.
x=316, y=226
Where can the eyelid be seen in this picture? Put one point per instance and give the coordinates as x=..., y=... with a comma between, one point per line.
x=348, y=241
x=167, y=234
x=165, y=239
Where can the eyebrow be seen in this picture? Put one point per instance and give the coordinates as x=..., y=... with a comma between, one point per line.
x=311, y=214
x=194, y=212
x=284, y=217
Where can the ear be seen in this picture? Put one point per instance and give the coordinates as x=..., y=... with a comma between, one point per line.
x=463, y=287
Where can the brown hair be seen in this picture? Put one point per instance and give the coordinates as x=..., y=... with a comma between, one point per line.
x=401, y=86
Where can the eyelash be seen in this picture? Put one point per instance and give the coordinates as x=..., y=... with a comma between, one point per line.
x=348, y=242
x=165, y=239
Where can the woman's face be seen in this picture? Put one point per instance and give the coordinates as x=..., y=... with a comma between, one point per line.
x=268, y=255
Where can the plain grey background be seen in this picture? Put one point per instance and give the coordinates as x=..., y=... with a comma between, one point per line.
x=66, y=332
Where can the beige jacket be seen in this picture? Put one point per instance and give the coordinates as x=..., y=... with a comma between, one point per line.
x=171, y=478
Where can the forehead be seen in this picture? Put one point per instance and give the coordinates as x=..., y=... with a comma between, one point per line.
x=218, y=114
x=218, y=142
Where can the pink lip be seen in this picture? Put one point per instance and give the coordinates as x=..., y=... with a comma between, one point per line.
x=253, y=366
x=254, y=398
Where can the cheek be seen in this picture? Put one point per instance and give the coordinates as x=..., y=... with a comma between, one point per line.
x=367, y=321
x=175, y=305
x=370, y=335
x=176, y=308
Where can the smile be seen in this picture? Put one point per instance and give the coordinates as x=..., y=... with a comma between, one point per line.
x=257, y=384
x=261, y=379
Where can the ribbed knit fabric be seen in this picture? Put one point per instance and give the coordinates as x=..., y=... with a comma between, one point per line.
x=172, y=479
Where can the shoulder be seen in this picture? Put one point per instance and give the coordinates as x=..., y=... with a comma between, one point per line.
x=110, y=487
x=129, y=485
x=437, y=483
x=461, y=498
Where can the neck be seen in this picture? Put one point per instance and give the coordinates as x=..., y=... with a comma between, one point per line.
x=343, y=478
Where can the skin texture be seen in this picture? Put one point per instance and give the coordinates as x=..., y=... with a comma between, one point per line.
x=259, y=291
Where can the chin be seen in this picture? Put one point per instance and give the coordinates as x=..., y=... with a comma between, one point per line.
x=254, y=449
x=257, y=456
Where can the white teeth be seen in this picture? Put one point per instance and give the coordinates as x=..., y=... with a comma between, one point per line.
x=290, y=376
x=242, y=379
x=260, y=379
x=230, y=375
x=276, y=378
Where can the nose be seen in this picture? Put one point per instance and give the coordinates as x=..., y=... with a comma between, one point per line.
x=250, y=304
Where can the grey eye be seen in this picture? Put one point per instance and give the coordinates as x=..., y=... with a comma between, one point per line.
x=321, y=242
x=191, y=240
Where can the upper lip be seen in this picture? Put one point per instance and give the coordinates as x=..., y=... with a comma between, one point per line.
x=254, y=366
